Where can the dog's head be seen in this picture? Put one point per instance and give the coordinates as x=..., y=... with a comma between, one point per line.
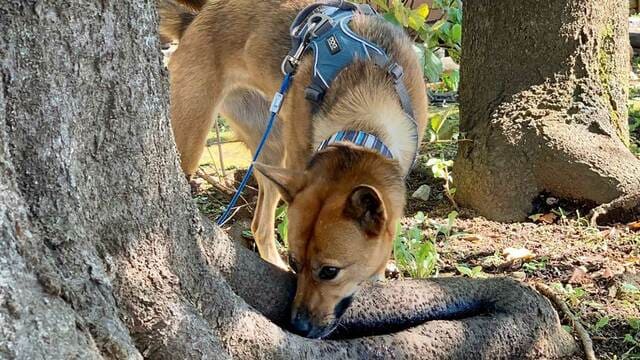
x=342, y=214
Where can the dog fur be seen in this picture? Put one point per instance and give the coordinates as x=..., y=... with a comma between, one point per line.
x=345, y=201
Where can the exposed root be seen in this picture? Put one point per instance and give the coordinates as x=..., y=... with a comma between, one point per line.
x=623, y=204
x=562, y=307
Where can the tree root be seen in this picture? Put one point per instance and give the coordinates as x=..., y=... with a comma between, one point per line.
x=561, y=306
x=454, y=318
x=617, y=208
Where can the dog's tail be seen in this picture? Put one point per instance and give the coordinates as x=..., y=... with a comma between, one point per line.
x=176, y=17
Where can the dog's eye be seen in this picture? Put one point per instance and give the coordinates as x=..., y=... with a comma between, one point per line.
x=328, y=273
x=293, y=264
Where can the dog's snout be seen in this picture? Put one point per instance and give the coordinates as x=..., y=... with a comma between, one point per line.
x=301, y=322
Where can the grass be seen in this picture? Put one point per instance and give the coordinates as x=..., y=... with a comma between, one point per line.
x=235, y=156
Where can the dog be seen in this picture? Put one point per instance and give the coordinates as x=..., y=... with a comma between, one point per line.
x=344, y=200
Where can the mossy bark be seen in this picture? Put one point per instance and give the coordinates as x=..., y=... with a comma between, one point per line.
x=103, y=254
x=543, y=105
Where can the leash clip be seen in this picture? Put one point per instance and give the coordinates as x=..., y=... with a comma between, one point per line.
x=291, y=61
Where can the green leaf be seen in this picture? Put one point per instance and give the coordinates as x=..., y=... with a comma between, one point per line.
x=390, y=17
x=604, y=321
x=432, y=65
x=630, y=288
x=634, y=323
x=567, y=328
x=629, y=339
x=423, y=11
x=456, y=33
x=464, y=270
x=452, y=80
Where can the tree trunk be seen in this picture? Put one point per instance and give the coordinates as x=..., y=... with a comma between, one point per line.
x=104, y=254
x=543, y=105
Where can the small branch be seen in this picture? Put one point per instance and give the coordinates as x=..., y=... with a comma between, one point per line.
x=560, y=305
x=447, y=190
x=213, y=182
x=219, y=145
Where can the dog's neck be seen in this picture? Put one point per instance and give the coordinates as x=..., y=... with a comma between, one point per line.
x=381, y=116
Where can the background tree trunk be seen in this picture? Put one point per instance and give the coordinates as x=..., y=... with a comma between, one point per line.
x=104, y=254
x=543, y=103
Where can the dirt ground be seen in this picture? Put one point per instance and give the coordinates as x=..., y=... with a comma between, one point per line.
x=596, y=271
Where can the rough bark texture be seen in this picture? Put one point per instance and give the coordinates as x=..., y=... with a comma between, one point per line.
x=104, y=255
x=543, y=101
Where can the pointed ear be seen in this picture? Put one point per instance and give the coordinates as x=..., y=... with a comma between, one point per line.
x=288, y=182
x=365, y=206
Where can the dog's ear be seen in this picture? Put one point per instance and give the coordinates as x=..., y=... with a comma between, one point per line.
x=288, y=182
x=365, y=206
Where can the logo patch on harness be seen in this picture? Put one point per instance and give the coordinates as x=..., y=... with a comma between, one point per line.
x=333, y=44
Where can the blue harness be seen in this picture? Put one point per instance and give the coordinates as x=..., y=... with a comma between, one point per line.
x=324, y=29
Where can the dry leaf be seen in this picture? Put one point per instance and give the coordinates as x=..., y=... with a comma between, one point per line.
x=607, y=273
x=634, y=226
x=579, y=275
x=549, y=218
x=513, y=254
x=632, y=260
x=472, y=238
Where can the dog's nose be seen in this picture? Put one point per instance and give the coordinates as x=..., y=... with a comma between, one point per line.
x=301, y=323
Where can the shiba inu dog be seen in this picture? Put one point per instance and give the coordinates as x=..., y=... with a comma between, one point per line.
x=339, y=161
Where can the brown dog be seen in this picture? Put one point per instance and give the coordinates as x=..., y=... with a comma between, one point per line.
x=344, y=201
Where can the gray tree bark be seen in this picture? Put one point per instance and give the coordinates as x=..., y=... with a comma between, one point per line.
x=104, y=255
x=543, y=105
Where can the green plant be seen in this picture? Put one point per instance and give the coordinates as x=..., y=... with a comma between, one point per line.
x=474, y=273
x=446, y=229
x=572, y=295
x=632, y=338
x=282, y=227
x=602, y=322
x=413, y=253
x=535, y=265
x=445, y=34
x=441, y=169
x=443, y=126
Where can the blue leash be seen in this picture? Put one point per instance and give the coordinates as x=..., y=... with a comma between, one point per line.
x=276, y=105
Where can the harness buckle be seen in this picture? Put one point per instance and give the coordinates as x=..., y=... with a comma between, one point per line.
x=396, y=71
x=291, y=61
x=318, y=24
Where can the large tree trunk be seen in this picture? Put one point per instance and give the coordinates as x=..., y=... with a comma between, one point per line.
x=543, y=105
x=103, y=253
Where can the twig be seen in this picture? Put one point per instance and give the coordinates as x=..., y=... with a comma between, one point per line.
x=447, y=190
x=560, y=305
x=219, y=145
x=212, y=181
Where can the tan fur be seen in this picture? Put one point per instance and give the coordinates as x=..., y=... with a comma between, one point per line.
x=228, y=61
x=175, y=20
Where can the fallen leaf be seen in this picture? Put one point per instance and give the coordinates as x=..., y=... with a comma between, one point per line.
x=513, y=254
x=613, y=291
x=607, y=273
x=632, y=260
x=471, y=237
x=549, y=218
x=634, y=226
x=579, y=275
